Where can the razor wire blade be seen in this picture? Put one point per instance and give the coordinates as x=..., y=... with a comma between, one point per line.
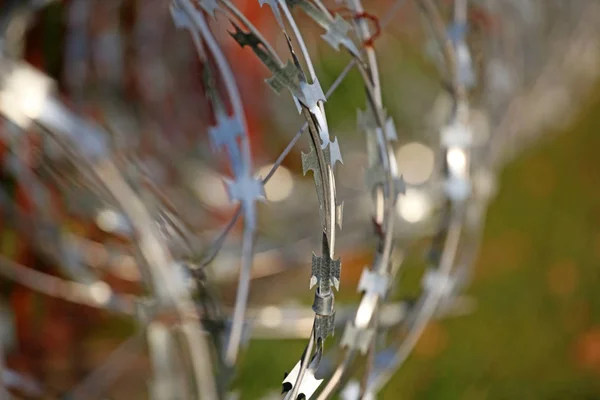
x=171, y=259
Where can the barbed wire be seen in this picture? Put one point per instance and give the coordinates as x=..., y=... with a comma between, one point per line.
x=155, y=227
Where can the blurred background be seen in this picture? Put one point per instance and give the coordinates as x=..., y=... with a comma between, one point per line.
x=529, y=327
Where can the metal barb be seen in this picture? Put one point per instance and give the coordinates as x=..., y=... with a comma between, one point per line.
x=357, y=338
x=311, y=94
x=377, y=175
x=336, y=27
x=246, y=190
x=308, y=386
x=210, y=6
x=373, y=282
x=226, y=134
x=325, y=273
x=284, y=76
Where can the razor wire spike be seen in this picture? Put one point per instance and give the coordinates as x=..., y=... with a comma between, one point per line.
x=225, y=134
x=366, y=121
x=311, y=94
x=336, y=30
x=373, y=282
x=246, y=190
x=245, y=187
x=244, y=38
x=335, y=154
x=399, y=185
x=310, y=162
x=308, y=386
x=210, y=6
x=337, y=33
x=250, y=39
x=274, y=4
x=376, y=175
x=284, y=78
x=325, y=272
x=287, y=76
x=357, y=338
